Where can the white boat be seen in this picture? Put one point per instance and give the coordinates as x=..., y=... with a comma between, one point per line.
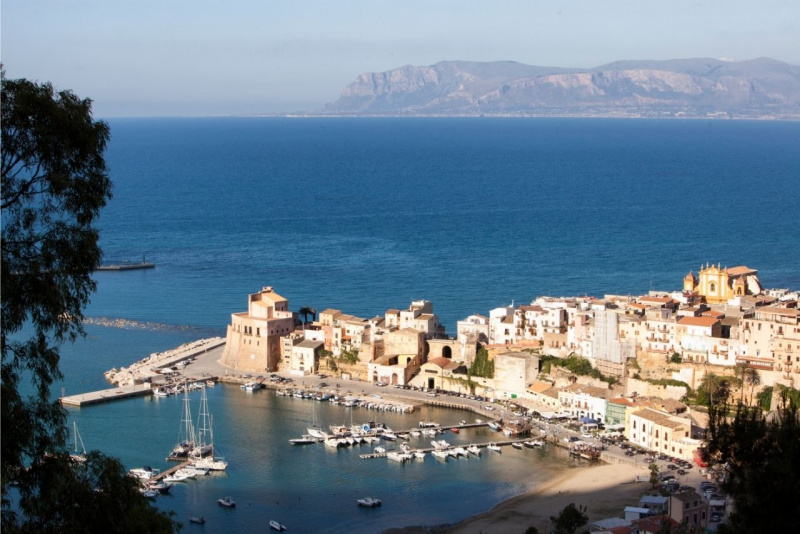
x=274, y=525
x=420, y=455
x=211, y=463
x=461, y=451
x=78, y=455
x=415, y=433
x=185, y=443
x=186, y=472
x=252, y=386
x=144, y=473
x=150, y=494
x=396, y=456
x=517, y=445
x=494, y=447
x=474, y=449
x=175, y=477
x=332, y=443
x=305, y=440
x=160, y=392
x=441, y=454
x=379, y=450
x=495, y=426
x=227, y=502
x=369, y=502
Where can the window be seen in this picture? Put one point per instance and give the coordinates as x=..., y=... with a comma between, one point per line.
x=713, y=287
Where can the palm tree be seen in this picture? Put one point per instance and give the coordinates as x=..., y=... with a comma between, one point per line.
x=710, y=383
x=753, y=379
x=305, y=312
x=741, y=370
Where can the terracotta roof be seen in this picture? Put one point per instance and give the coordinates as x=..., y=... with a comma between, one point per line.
x=740, y=270
x=713, y=313
x=788, y=312
x=331, y=311
x=444, y=363
x=539, y=387
x=552, y=392
x=531, y=308
x=659, y=418
x=392, y=312
x=698, y=321
x=659, y=300
x=621, y=400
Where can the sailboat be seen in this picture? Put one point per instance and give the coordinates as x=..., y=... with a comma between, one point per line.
x=314, y=430
x=77, y=456
x=204, y=443
x=186, y=437
x=205, y=454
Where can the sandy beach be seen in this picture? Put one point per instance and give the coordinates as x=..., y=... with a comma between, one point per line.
x=604, y=489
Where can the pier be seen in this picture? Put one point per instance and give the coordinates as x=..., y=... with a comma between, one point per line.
x=106, y=395
x=169, y=471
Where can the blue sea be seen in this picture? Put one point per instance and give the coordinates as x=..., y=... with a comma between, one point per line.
x=368, y=214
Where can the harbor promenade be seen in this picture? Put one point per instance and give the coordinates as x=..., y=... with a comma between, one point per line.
x=106, y=395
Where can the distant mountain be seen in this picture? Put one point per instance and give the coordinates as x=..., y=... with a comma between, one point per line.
x=703, y=87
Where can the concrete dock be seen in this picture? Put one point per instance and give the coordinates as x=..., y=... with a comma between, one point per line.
x=106, y=395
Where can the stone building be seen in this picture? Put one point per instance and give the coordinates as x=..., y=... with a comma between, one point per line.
x=253, y=341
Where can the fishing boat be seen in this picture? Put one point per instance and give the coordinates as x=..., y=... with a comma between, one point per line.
x=227, y=502
x=369, y=502
x=199, y=520
x=252, y=386
x=186, y=437
x=78, y=455
x=274, y=525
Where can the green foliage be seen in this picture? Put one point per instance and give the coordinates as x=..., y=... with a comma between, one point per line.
x=570, y=519
x=675, y=358
x=54, y=184
x=575, y=364
x=482, y=366
x=349, y=356
x=762, y=458
x=792, y=395
x=654, y=471
x=765, y=398
x=667, y=382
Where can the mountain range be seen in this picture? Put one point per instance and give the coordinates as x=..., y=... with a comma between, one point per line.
x=702, y=87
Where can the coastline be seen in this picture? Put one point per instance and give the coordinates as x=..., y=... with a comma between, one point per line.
x=604, y=489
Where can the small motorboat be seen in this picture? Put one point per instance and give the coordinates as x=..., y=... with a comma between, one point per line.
x=198, y=520
x=369, y=502
x=517, y=445
x=494, y=447
x=274, y=525
x=227, y=502
x=305, y=440
x=454, y=430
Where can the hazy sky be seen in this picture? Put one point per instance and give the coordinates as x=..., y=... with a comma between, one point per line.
x=204, y=57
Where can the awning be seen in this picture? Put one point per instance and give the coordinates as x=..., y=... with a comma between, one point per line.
x=589, y=420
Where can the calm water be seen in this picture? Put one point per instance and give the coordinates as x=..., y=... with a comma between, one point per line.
x=365, y=215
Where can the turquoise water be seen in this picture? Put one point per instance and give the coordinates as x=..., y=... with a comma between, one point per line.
x=365, y=215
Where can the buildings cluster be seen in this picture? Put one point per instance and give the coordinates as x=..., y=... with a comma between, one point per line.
x=721, y=318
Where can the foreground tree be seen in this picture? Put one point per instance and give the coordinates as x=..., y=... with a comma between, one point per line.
x=762, y=458
x=54, y=183
x=570, y=519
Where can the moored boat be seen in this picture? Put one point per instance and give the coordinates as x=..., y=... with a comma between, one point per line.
x=227, y=502
x=517, y=445
x=494, y=447
x=305, y=440
x=274, y=525
x=199, y=520
x=369, y=502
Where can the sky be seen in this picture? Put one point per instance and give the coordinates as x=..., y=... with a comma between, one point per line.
x=246, y=57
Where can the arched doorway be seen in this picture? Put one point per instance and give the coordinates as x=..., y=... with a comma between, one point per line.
x=394, y=379
x=447, y=352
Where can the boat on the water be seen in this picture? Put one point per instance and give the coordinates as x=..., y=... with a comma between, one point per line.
x=305, y=440
x=78, y=455
x=495, y=426
x=204, y=437
x=517, y=445
x=199, y=520
x=227, y=502
x=274, y=525
x=252, y=386
x=186, y=436
x=369, y=502
x=474, y=449
x=454, y=430
x=144, y=473
x=494, y=447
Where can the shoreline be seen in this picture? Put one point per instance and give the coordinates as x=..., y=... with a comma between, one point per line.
x=604, y=489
